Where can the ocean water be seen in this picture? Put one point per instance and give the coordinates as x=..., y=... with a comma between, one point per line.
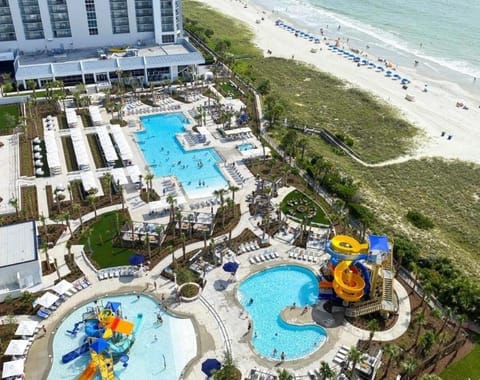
x=442, y=35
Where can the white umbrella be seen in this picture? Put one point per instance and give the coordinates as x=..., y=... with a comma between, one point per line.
x=39, y=171
x=16, y=347
x=36, y=148
x=62, y=287
x=36, y=140
x=60, y=187
x=47, y=300
x=13, y=368
x=38, y=155
x=26, y=328
x=38, y=163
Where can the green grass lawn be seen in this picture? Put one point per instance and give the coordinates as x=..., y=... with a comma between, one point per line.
x=101, y=235
x=467, y=368
x=299, y=205
x=226, y=89
x=9, y=115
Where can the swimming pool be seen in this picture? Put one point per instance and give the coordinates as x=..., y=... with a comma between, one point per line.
x=272, y=290
x=197, y=169
x=147, y=355
x=246, y=146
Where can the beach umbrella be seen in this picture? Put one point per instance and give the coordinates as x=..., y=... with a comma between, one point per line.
x=26, y=328
x=60, y=187
x=37, y=155
x=230, y=267
x=62, y=287
x=46, y=300
x=136, y=259
x=99, y=345
x=16, y=347
x=36, y=140
x=13, y=368
x=39, y=171
x=210, y=365
x=36, y=148
x=38, y=163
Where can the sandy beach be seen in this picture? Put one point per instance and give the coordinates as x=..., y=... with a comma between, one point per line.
x=434, y=112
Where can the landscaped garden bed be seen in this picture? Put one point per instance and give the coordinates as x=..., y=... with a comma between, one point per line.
x=299, y=207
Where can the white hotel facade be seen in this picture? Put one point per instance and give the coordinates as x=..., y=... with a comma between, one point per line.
x=93, y=41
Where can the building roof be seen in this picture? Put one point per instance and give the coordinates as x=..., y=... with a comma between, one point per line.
x=19, y=243
x=84, y=61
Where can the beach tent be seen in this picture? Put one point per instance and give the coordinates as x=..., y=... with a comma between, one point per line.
x=62, y=287
x=46, y=300
x=13, y=368
x=26, y=328
x=16, y=347
x=378, y=243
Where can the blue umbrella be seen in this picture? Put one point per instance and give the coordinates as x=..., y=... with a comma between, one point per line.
x=210, y=365
x=136, y=259
x=230, y=267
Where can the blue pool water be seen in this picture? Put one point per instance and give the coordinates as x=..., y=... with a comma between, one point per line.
x=246, y=146
x=197, y=170
x=272, y=290
x=146, y=354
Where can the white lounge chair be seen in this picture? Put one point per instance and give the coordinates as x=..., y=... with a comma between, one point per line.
x=252, y=260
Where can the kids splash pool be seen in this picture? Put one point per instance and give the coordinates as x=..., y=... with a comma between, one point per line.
x=197, y=169
x=141, y=344
x=271, y=291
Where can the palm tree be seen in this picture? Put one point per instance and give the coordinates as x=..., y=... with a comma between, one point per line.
x=120, y=187
x=419, y=321
x=415, y=270
x=14, y=203
x=47, y=256
x=108, y=178
x=92, y=201
x=283, y=374
x=190, y=225
x=427, y=341
x=43, y=219
x=447, y=315
x=460, y=319
x=147, y=242
x=148, y=179
x=392, y=351
x=77, y=209
x=66, y=218
x=172, y=202
x=354, y=357
x=408, y=367
x=326, y=371
x=372, y=327
x=233, y=189
x=182, y=238
x=220, y=193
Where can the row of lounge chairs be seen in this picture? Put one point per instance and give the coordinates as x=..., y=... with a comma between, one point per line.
x=256, y=374
x=265, y=256
x=194, y=138
x=145, y=110
x=206, y=203
x=117, y=272
x=302, y=254
x=235, y=174
x=248, y=247
x=341, y=355
x=78, y=285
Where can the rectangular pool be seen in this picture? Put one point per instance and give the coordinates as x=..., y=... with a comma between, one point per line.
x=197, y=170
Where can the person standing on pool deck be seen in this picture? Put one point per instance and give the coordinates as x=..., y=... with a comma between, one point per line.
x=282, y=356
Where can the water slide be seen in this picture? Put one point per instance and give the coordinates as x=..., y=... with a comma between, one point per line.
x=120, y=325
x=348, y=245
x=347, y=283
x=89, y=372
x=75, y=353
x=104, y=365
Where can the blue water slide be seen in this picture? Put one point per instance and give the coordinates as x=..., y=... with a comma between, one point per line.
x=92, y=329
x=75, y=353
x=366, y=276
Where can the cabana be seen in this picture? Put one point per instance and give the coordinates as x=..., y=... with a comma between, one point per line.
x=80, y=149
x=46, y=300
x=17, y=347
x=109, y=152
x=62, y=287
x=134, y=173
x=119, y=176
x=72, y=117
x=122, y=144
x=254, y=153
x=88, y=181
x=237, y=131
x=53, y=157
x=13, y=368
x=27, y=328
x=95, y=115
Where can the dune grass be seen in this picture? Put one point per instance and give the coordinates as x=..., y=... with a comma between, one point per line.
x=9, y=115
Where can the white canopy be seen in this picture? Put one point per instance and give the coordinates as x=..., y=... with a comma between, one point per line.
x=16, y=347
x=119, y=176
x=47, y=300
x=237, y=131
x=26, y=328
x=13, y=368
x=62, y=287
x=122, y=144
x=252, y=153
x=134, y=173
x=53, y=158
x=72, y=118
x=80, y=149
x=107, y=144
x=95, y=115
x=88, y=181
x=157, y=206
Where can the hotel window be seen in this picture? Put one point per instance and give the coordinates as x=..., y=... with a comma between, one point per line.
x=144, y=15
x=119, y=15
x=59, y=18
x=7, y=30
x=31, y=19
x=91, y=17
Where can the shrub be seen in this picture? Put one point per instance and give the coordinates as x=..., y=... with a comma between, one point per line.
x=419, y=220
x=189, y=291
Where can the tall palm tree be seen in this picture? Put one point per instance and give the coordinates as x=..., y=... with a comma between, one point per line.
x=171, y=200
x=373, y=328
x=353, y=357
x=43, y=219
x=182, y=238
x=427, y=341
x=92, y=201
x=447, y=315
x=66, y=218
x=419, y=322
x=233, y=189
x=120, y=187
x=392, y=351
x=147, y=242
x=149, y=181
x=14, y=203
x=326, y=371
x=108, y=178
x=77, y=210
x=408, y=367
x=283, y=374
x=460, y=319
x=220, y=194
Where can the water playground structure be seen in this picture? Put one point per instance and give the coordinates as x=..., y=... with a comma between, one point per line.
x=108, y=337
x=360, y=275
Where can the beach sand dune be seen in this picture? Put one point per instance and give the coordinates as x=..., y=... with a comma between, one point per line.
x=435, y=112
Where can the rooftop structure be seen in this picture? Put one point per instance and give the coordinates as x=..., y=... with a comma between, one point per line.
x=90, y=41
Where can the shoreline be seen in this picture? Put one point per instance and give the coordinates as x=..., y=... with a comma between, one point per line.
x=433, y=112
